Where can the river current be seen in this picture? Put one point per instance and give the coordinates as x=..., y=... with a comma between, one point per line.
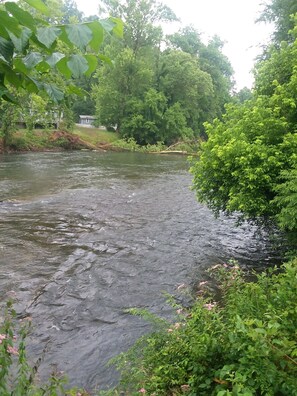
x=86, y=235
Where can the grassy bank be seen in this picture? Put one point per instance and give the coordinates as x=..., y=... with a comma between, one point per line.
x=86, y=138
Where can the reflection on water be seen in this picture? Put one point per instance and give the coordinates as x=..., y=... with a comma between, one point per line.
x=86, y=235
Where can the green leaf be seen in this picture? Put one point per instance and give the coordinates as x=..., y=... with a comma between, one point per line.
x=10, y=23
x=105, y=59
x=78, y=65
x=40, y=6
x=32, y=59
x=53, y=92
x=114, y=26
x=6, y=49
x=107, y=25
x=19, y=65
x=23, y=17
x=31, y=85
x=6, y=95
x=43, y=67
x=118, y=28
x=98, y=35
x=79, y=35
x=92, y=62
x=12, y=76
x=63, y=67
x=73, y=89
x=54, y=58
x=48, y=35
x=21, y=42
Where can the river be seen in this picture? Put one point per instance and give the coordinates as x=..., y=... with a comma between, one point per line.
x=86, y=235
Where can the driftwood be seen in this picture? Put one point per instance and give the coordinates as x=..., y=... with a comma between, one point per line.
x=172, y=152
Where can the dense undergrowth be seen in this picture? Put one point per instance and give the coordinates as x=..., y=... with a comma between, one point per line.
x=89, y=138
x=244, y=344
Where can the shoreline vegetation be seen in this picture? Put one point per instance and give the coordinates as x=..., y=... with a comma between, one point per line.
x=82, y=138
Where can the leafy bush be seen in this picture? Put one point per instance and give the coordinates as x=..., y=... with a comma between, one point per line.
x=131, y=145
x=245, y=344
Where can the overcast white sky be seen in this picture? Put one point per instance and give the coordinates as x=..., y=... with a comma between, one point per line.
x=232, y=20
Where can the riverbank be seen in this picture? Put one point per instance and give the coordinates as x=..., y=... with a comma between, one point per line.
x=82, y=138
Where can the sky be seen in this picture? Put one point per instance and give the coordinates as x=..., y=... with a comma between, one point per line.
x=232, y=20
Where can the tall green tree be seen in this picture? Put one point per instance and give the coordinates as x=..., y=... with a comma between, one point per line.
x=182, y=81
x=248, y=165
x=211, y=60
x=142, y=19
x=280, y=12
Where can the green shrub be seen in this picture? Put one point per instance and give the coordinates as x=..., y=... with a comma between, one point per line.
x=130, y=144
x=243, y=345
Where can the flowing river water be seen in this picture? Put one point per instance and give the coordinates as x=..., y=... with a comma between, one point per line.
x=86, y=235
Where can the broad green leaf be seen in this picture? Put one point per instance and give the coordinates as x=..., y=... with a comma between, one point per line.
x=105, y=59
x=43, y=67
x=118, y=28
x=23, y=17
x=73, y=89
x=3, y=32
x=53, y=92
x=78, y=65
x=79, y=35
x=32, y=59
x=63, y=67
x=92, y=62
x=48, y=35
x=107, y=25
x=54, y=58
x=31, y=85
x=114, y=26
x=12, y=76
x=6, y=49
x=19, y=66
x=21, y=42
x=63, y=37
x=98, y=35
x=10, y=23
x=40, y=6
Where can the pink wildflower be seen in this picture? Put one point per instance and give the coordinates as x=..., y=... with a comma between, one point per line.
x=185, y=388
x=142, y=390
x=225, y=265
x=209, y=306
x=12, y=350
x=2, y=337
x=179, y=311
x=203, y=283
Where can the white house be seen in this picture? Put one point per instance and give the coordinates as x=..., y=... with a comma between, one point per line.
x=86, y=120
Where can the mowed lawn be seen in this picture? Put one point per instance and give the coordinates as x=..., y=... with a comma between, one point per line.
x=95, y=135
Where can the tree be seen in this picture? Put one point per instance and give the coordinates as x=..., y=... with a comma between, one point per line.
x=211, y=60
x=119, y=86
x=71, y=13
x=182, y=81
x=280, y=12
x=248, y=165
x=141, y=18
